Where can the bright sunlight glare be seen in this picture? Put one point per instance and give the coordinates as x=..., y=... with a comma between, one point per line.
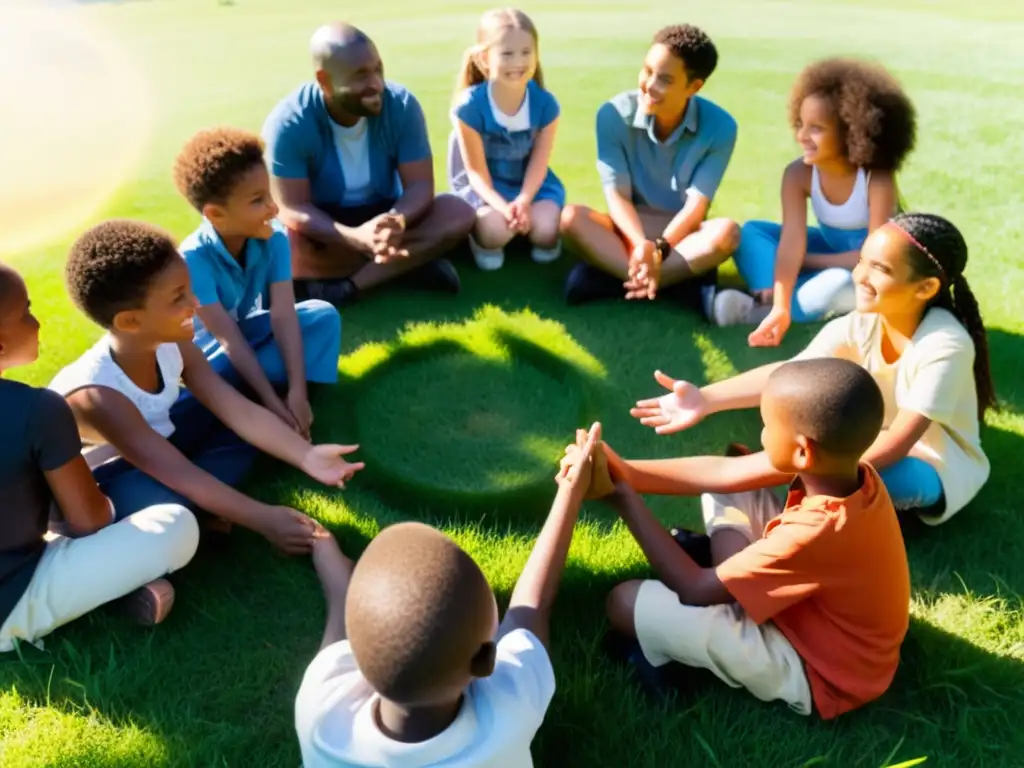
x=76, y=120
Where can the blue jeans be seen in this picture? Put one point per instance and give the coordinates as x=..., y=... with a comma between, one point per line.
x=320, y=326
x=912, y=483
x=202, y=438
x=818, y=292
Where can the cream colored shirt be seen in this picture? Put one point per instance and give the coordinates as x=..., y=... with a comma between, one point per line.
x=933, y=377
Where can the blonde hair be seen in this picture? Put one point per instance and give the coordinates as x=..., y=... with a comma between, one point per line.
x=491, y=25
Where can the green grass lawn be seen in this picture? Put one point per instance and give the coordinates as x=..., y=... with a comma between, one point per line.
x=475, y=398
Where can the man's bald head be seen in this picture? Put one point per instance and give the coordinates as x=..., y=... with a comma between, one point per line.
x=349, y=72
x=331, y=43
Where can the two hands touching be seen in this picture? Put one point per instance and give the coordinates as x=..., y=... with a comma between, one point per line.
x=644, y=271
x=290, y=530
x=294, y=410
x=517, y=215
x=383, y=236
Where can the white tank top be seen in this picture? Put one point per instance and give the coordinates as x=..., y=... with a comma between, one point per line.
x=852, y=214
x=97, y=368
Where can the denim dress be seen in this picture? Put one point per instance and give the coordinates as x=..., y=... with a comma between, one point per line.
x=507, y=151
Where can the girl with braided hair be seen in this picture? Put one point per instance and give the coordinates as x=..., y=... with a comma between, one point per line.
x=855, y=126
x=917, y=329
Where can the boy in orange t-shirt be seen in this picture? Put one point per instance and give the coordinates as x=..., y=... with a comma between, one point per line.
x=807, y=601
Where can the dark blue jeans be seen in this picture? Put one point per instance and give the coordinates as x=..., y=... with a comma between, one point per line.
x=202, y=438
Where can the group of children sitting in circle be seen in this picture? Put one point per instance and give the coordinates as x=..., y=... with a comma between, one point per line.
x=206, y=362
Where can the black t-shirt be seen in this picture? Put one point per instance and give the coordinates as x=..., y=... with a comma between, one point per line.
x=37, y=434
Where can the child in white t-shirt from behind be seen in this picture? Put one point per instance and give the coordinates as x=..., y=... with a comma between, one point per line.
x=414, y=668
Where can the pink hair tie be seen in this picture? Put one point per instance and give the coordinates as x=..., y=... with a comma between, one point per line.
x=913, y=241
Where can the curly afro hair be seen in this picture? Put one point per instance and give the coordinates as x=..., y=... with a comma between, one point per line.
x=212, y=161
x=112, y=266
x=692, y=47
x=877, y=122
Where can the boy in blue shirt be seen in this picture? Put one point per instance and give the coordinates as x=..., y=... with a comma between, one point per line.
x=239, y=261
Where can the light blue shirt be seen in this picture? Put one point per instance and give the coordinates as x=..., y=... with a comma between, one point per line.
x=218, y=277
x=301, y=145
x=658, y=174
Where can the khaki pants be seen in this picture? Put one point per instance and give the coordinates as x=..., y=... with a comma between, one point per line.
x=722, y=638
x=75, y=576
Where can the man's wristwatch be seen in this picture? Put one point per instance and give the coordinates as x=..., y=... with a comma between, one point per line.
x=663, y=248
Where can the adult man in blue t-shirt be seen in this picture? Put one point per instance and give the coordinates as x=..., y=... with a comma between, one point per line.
x=352, y=172
x=661, y=154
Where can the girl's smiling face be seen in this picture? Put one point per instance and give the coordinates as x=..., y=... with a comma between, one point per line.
x=817, y=131
x=884, y=280
x=512, y=57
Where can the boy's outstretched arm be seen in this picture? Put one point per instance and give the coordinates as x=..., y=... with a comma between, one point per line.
x=694, y=475
x=335, y=571
x=284, y=321
x=535, y=592
x=675, y=568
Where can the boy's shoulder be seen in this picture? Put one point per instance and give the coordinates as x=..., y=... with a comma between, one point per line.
x=713, y=117
x=624, y=104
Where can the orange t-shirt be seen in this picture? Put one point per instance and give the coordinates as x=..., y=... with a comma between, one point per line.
x=832, y=574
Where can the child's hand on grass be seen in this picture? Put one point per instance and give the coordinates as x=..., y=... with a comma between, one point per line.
x=288, y=530
x=325, y=464
x=298, y=406
x=683, y=407
x=772, y=329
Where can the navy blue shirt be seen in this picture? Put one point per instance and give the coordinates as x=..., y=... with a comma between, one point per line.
x=37, y=434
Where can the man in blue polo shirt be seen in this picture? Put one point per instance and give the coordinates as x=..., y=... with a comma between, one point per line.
x=352, y=172
x=661, y=154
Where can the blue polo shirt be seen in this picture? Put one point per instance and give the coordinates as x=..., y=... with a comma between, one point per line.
x=218, y=277
x=301, y=145
x=658, y=174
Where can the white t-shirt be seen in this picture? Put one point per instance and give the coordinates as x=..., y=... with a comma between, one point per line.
x=500, y=714
x=934, y=377
x=97, y=368
x=352, y=145
x=520, y=121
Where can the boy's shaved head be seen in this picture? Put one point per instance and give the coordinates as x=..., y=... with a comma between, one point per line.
x=420, y=616
x=10, y=284
x=834, y=402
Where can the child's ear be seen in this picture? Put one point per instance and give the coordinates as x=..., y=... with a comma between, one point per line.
x=695, y=86
x=213, y=212
x=805, y=453
x=483, y=662
x=929, y=288
x=126, y=321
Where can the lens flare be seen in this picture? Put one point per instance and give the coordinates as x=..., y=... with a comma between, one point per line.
x=76, y=120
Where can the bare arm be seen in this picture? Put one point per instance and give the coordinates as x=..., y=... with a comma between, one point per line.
x=300, y=214
x=335, y=571
x=688, y=220
x=793, y=242
x=417, y=189
x=694, y=475
x=250, y=421
x=471, y=145
x=535, y=592
x=84, y=507
x=740, y=391
x=110, y=416
x=537, y=169
x=623, y=213
x=694, y=585
x=894, y=443
x=285, y=324
x=237, y=348
x=882, y=203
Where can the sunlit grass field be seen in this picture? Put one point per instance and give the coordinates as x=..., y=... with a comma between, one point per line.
x=471, y=398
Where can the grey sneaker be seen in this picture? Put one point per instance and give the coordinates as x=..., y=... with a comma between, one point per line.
x=731, y=307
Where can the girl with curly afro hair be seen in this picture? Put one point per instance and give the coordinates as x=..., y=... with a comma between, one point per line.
x=855, y=126
x=916, y=328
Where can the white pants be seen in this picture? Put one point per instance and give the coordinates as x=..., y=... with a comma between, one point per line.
x=722, y=638
x=75, y=576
